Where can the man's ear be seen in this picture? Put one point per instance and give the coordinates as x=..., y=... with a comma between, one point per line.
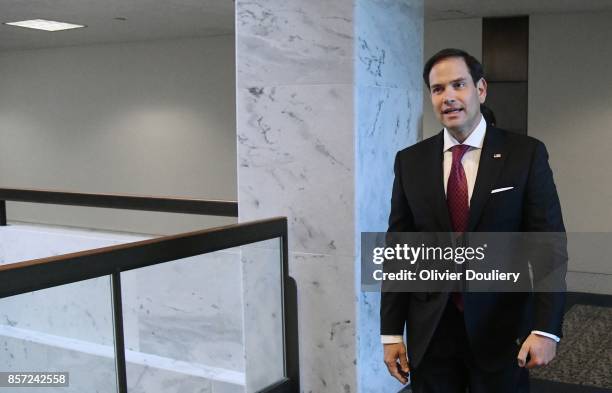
x=481, y=86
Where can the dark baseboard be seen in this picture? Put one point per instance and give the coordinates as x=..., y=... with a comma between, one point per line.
x=591, y=299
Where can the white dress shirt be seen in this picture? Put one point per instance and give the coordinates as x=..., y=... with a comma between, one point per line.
x=470, y=162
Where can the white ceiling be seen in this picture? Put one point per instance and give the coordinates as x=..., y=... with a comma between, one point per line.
x=145, y=20
x=453, y=9
x=167, y=19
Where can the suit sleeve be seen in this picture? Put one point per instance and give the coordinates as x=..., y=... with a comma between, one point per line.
x=394, y=305
x=548, y=251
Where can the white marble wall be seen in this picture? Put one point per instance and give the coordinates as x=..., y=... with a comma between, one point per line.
x=326, y=94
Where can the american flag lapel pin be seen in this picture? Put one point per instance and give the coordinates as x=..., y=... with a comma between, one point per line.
x=497, y=155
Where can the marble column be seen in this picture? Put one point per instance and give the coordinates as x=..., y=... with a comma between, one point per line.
x=327, y=92
x=388, y=109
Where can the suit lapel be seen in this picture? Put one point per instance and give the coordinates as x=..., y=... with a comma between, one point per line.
x=492, y=159
x=439, y=196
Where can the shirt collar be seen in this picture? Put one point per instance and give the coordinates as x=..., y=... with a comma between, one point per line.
x=475, y=139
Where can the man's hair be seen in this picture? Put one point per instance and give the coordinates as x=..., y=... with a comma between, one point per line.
x=473, y=65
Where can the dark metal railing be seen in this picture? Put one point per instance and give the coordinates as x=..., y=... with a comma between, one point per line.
x=37, y=274
x=117, y=201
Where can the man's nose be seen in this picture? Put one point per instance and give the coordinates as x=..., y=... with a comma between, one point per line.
x=449, y=100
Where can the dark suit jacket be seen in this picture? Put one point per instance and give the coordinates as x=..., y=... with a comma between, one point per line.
x=496, y=323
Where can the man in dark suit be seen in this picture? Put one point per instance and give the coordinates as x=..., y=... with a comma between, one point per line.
x=470, y=178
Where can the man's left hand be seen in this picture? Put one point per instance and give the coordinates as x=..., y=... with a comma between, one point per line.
x=541, y=349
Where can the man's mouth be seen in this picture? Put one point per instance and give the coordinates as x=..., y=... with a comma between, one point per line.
x=451, y=110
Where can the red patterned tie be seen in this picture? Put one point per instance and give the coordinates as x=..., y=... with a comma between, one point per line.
x=458, y=202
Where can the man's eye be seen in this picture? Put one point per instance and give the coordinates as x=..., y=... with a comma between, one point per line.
x=436, y=90
x=459, y=84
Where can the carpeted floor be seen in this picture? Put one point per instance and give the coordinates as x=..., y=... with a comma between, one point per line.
x=584, y=356
x=543, y=386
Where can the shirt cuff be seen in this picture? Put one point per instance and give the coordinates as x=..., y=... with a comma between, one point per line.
x=540, y=333
x=391, y=339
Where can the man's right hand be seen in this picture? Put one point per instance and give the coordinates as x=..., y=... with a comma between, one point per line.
x=397, y=361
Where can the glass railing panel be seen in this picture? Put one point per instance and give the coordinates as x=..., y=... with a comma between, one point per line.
x=208, y=323
x=263, y=313
x=183, y=324
x=68, y=328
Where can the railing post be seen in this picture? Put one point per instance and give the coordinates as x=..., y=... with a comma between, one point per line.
x=118, y=333
x=290, y=304
x=2, y=213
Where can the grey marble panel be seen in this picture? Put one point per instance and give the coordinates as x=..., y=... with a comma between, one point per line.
x=327, y=312
x=294, y=42
x=387, y=121
x=372, y=371
x=296, y=159
x=389, y=43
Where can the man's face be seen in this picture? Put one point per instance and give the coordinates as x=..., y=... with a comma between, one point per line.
x=455, y=99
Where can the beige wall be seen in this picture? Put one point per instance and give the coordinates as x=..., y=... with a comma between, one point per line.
x=153, y=118
x=570, y=110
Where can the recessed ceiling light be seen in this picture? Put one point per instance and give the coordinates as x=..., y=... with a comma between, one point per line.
x=42, y=24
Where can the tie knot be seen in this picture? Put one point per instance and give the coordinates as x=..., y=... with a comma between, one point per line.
x=458, y=152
